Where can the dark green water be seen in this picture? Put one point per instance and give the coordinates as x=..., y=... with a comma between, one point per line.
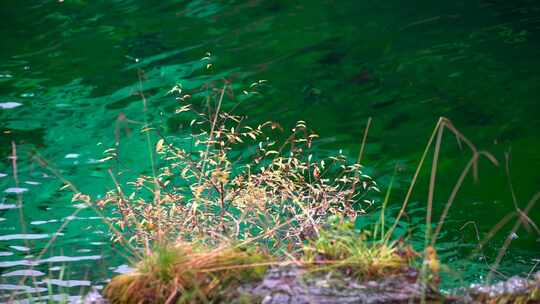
x=69, y=69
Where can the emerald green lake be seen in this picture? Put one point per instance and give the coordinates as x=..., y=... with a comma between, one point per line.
x=70, y=69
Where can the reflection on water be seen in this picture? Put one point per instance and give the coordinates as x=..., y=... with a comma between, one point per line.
x=15, y=190
x=23, y=237
x=9, y=105
x=55, y=259
x=69, y=72
x=24, y=273
x=68, y=283
x=27, y=289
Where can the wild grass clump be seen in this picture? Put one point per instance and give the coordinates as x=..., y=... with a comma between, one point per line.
x=227, y=182
x=227, y=179
x=356, y=253
x=187, y=273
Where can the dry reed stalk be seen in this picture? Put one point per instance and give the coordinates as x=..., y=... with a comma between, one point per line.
x=508, y=239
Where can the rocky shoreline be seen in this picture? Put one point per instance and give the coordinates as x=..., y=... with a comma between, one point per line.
x=293, y=285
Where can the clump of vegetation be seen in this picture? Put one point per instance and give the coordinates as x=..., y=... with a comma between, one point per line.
x=356, y=253
x=225, y=182
x=230, y=180
x=187, y=273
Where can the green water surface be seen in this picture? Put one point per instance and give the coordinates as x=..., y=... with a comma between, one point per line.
x=70, y=69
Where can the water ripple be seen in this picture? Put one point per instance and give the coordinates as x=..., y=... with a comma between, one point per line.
x=10, y=237
x=9, y=105
x=21, y=287
x=7, y=206
x=55, y=259
x=70, y=258
x=15, y=190
x=24, y=272
x=68, y=283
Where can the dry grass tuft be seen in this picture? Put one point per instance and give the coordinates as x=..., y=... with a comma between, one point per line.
x=186, y=273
